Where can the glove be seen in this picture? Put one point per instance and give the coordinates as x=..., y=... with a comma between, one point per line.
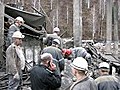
x=16, y=76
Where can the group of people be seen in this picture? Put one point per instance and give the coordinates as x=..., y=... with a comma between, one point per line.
x=15, y=60
x=51, y=67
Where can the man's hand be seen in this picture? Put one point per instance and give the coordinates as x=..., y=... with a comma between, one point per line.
x=52, y=66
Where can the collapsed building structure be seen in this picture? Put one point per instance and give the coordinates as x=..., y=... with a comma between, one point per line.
x=33, y=28
x=34, y=31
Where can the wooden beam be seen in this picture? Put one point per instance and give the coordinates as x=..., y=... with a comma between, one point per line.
x=116, y=40
x=1, y=32
x=109, y=27
x=77, y=22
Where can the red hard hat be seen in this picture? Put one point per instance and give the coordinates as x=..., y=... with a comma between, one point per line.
x=67, y=52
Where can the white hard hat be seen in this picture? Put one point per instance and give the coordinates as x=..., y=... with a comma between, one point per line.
x=104, y=65
x=19, y=19
x=80, y=63
x=57, y=41
x=18, y=34
x=56, y=29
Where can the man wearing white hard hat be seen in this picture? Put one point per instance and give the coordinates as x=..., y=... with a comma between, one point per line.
x=14, y=27
x=106, y=81
x=56, y=42
x=54, y=35
x=80, y=70
x=56, y=30
x=15, y=61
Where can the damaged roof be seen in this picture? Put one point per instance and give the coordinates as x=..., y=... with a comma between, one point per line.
x=32, y=19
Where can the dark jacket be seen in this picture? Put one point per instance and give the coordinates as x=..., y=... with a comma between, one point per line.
x=44, y=79
x=107, y=82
